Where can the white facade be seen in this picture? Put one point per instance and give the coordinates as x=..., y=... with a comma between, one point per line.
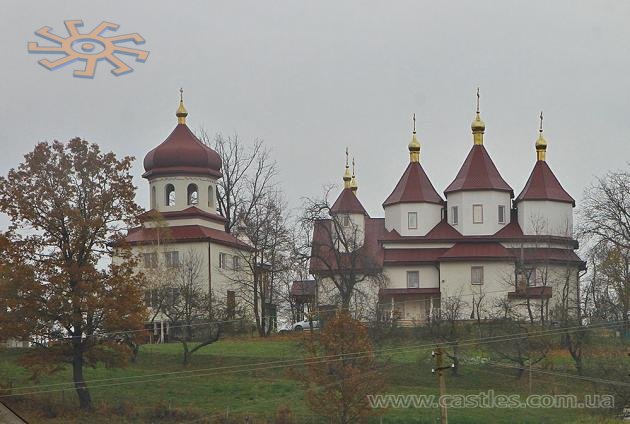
x=427, y=216
x=476, y=213
x=160, y=187
x=545, y=217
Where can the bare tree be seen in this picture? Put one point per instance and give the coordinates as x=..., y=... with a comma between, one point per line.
x=335, y=246
x=249, y=175
x=446, y=326
x=187, y=307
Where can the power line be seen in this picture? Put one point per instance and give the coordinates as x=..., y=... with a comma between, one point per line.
x=294, y=362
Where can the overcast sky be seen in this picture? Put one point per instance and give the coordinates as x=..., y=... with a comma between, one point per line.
x=313, y=77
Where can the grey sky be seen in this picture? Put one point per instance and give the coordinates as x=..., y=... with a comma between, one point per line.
x=312, y=77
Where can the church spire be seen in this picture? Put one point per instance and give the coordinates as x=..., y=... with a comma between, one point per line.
x=541, y=143
x=353, y=182
x=478, y=126
x=181, y=113
x=414, y=144
x=346, y=176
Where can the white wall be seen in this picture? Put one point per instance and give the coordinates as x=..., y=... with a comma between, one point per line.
x=354, y=233
x=396, y=217
x=490, y=200
x=498, y=281
x=545, y=217
x=181, y=190
x=397, y=276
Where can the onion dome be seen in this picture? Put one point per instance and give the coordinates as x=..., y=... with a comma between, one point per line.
x=542, y=183
x=353, y=182
x=478, y=127
x=414, y=186
x=182, y=153
x=414, y=144
x=478, y=171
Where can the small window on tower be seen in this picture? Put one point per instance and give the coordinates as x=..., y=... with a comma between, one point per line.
x=477, y=214
x=153, y=199
x=169, y=191
x=413, y=279
x=412, y=220
x=345, y=220
x=193, y=194
x=454, y=217
x=210, y=196
x=501, y=214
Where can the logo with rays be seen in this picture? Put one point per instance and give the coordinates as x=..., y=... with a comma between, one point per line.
x=89, y=48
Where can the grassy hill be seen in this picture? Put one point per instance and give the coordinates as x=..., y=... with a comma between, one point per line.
x=241, y=379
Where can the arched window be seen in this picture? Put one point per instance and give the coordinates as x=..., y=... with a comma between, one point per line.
x=210, y=196
x=193, y=194
x=169, y=199
x=153, y=200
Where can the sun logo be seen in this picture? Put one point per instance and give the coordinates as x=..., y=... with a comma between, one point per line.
x=89, y=48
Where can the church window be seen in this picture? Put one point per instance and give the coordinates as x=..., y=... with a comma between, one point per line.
x=169, y=191
x=345, y=220
x=236, y=263
x=171, y=259
x=412, y=220
x=476, y=275
x=193, y=194
x=223, y=260
x=210, y=196
x=501, y=214
x=413, y=279
x=454, y=217
x=477, y=214
x=150, y=260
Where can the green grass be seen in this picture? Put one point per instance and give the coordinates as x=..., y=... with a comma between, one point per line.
x=261, y=391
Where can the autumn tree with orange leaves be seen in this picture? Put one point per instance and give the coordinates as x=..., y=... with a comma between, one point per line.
x=59, y=290
x=342, y=371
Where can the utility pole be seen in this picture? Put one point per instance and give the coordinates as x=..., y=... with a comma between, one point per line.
x=439, y=369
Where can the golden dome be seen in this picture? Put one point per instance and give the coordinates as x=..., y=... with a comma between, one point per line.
x=478, y=126
x=414, y=144
x=181, y=113
x=347, y=177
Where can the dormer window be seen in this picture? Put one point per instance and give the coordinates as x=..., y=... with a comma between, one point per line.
x=412, y=220
x=477, y=214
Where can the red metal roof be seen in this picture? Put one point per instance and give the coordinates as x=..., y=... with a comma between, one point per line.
x=185, y=233
x=477, y=251
x=409, y=256
x=191, y=212
x=543, y=185
x=368, y=257
x=548, y=255
x=414, y=187
x=182, y=153
x=478, y=173
x=347, y=202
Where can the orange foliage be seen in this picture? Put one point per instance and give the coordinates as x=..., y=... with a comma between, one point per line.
x=342, y=371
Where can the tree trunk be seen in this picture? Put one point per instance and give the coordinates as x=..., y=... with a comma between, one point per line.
x=186, y=353
x=85, y=400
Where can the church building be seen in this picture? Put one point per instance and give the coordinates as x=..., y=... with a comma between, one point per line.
x=478, y=244
x=183, y=226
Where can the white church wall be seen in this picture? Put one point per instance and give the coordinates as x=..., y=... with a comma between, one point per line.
x=397, y=217
x=489, y=201
x=498, y=280
x=180, y=184
x=397, y=276
x=189, y=221
x=354, y=231
x=545, y=217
